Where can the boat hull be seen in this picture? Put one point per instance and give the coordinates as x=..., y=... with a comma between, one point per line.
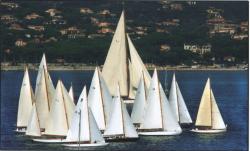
x=129, y=101
x=211, y=131
x=160, y=133
x=20, y=131
x=110, y=139
x=53, y=140
x=85, y=145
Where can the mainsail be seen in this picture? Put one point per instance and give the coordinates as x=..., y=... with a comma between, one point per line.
x=33, y=128
x=83, y=125
x=44, y=92
x=208, y=113
x=99, y=100
x=120, y=122
x=26, y=100
x=57, y=123
x=71, y=92
x=139, y=103
x=177, y=103
x=123, y=65
x=158, y=109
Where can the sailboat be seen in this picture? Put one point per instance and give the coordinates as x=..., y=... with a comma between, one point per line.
x=44, y=92
x=26, y=100
x=71, y=93
x=139, y=104
x=83, y=131
x=33, y=128
x=60, y=115
x=178, y=105
x=100, y=100
x=158, y=117
x=123, y=64
x=120, y=126
x=209, y=119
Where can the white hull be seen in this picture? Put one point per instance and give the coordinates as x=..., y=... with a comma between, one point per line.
x=53, y=140
x=209, y=131
x=160, y=133
x=129, y=101
x=20, y=130
x=85, y=145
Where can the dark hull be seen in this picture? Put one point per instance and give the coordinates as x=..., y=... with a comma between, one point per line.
x=121, y=139
x=186, y=125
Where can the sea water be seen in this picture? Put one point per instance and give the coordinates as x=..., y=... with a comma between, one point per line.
x=230, y=89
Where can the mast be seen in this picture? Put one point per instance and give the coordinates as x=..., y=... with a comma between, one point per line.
x=211, y=103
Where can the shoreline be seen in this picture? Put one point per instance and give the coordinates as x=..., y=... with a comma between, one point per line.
x=84, y=67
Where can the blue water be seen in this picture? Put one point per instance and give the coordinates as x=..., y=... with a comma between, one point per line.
x=230, y=89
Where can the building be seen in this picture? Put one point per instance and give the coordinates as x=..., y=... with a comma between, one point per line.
x=200, y=49
x=32, y=16
x=36, y=28
x=165, y=48
x=20, y=43
x=86, y=11
x=52, y=12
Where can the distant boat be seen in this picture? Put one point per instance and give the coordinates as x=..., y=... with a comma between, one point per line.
x=209, y=119
x=59, y=118
x=178, y=105
x=139, y=103
x=123, y=64
x=100, y=100
x=44, y=92
x=83, y=131
x=120, y=126
x=158, y=117
x=71, y=93
x=26, y=100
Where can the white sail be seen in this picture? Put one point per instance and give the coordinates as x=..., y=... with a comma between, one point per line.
x=42, y=67
x=115, y=124
x=139, y=103
x=106, y=96
x=33, y=128
x=26, y=100
x=184, y=114
x=69, y=104
x=133, y=80
x=80, y=129
x=173, y=99
x=41, y=100
x=71, y=93
x=217, y=120
x=99, y=102
x=204, y=116
x=120, y=122
x=153, y=114
x=129, y=129
x=73, y=132
x=137, y=68
x=57, y=120
x=170, y=123
x=115, y=68
x=95, y=133
x=177, y=103
x=49, y=84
